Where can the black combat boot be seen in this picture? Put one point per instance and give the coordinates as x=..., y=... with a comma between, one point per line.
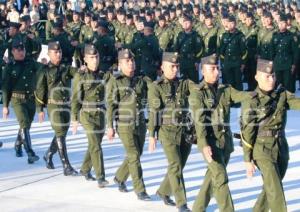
x=1, y=144
x=62, y=150
x=27, y=146
x=167, y=200
x=18, y=145
x=121, y=185
x=49, y=154
x=143, y=196
x=184, y=208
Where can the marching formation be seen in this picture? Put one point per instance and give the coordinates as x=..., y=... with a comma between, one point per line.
x=173, y=69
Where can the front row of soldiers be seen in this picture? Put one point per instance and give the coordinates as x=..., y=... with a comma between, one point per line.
x=30, y=86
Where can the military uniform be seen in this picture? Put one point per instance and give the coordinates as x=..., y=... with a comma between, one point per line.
x=285, y=54
x=88, y=106
x=166, y=97
x=190, y=49
x=53, y=91
x=19, y=83
x=264, y=117
x=264, y=43
x=164, y=36
x=209, y=37
x=233, y=54
x=125, y=106
x=210, y=105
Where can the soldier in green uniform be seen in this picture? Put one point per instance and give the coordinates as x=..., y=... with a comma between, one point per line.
x=264, y=38
x=233, y=54
x=105, y=45
x=285, y=54
x=53, y=92
x=125, y=104
x=189, y=46
x=209, y=34
x=168, y=105
x=49, y=24
x=210, y=103
x=86, y=32
x=264, y=117
x=88, y=107
x=250, y=31
x=18, y=87
x=164, y=34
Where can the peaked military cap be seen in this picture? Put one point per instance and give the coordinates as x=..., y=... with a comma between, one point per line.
x=265, y=66
x=14, y=24
x=283, y=17
x=231, y=18
x=125, y=54
x=18, y=44
x=149, y=24
x=171, y=57
x=90, y=49
x=210, y=60
x=187, y=17
x=54, y=45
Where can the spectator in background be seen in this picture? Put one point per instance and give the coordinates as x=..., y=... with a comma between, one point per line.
x=13, y=15
x=20, y=4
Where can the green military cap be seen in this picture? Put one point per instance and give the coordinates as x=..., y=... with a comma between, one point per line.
x=76, y=12
x=250, y=15
x=161, y=18
x=14, y=24
x=265, y=66
x=103, y=23
x=58, y=23
x=283, y=18
x=125, y=54
x=129, y=16
x=187, y=17
x=208, y=15
x=54, y=45
x=210, y=60
x=90, y=49
x=18, y=44
x=149, y=24
x=231, y=18
x=24, y=18
x=267, y=14
x=171, y=57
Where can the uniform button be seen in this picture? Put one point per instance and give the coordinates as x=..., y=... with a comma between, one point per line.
x=27, y=91
x=26, y=85
x=24, y=77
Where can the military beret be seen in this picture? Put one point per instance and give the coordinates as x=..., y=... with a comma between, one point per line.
x=18, y=44
x=24, y=18
x=289, y=16
x=54, y=45
x=90, y=49
x=76, y=12
x=149, y=24
x=110, y=10
x=283, y=17
x=265, y=66
x=149, y=13
x=267, y=14
x=129, y=16
x=14, y=24
x=58, y=23
x=161, y=18
x=172, y=9
x=249, y=15
x=231, y=18
x=208, y=15
x=171, y=57
x=125, y=54
x=103, y=23
x=88, y=14
x=210, y=60
x=121, y=11
x=187, y=17
x=95, y=18
x=142, y=11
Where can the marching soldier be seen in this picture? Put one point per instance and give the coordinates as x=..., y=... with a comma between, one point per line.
x=166, y=96
x=233, y=54
x=189, y=46
x=285, y=54
x=210, y=103
x=88, y=107
x=18, y=87
x=125, y=104
x=164, y=34
x=53, y=92
x=263, y=136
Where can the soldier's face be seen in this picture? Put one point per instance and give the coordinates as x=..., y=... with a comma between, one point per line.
x=210, y=73
x=249, y=21
x=127, y=67
x=75, y=17
x=266, y=82
x=170, y=70
x=208, y=21
x=18, y=54
x=12, y=31
x=92, y=61
x=187, y=25
x=87, y=20
x=282, y=25
x=55, y=56
x=231, y=25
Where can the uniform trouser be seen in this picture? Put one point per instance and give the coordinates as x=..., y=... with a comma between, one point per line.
x=204, y=196
x=286, y=78
x=232, y=76
x=122, y=173
x=132, y=141
x=24, y=110
x=272, y=195
x=190, y=73
x=173, y=182
x=250, y=71
x=94, y=124
x=59, y=118
x=216, y=183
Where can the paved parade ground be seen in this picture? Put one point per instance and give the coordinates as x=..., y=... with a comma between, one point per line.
x=25, y=187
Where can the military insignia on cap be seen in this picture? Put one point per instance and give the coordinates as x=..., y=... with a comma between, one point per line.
x=265, y=66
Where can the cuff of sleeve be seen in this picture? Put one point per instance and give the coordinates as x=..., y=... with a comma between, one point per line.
x=247, y=158
x=151, y=133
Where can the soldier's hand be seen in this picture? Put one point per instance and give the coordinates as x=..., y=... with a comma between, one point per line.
x=5, y=112
x=44, y=61
x=152, y=144
x=110, y=134
x=74, y=127
x=250, y=169
x=207, y=153
x=41, y=117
